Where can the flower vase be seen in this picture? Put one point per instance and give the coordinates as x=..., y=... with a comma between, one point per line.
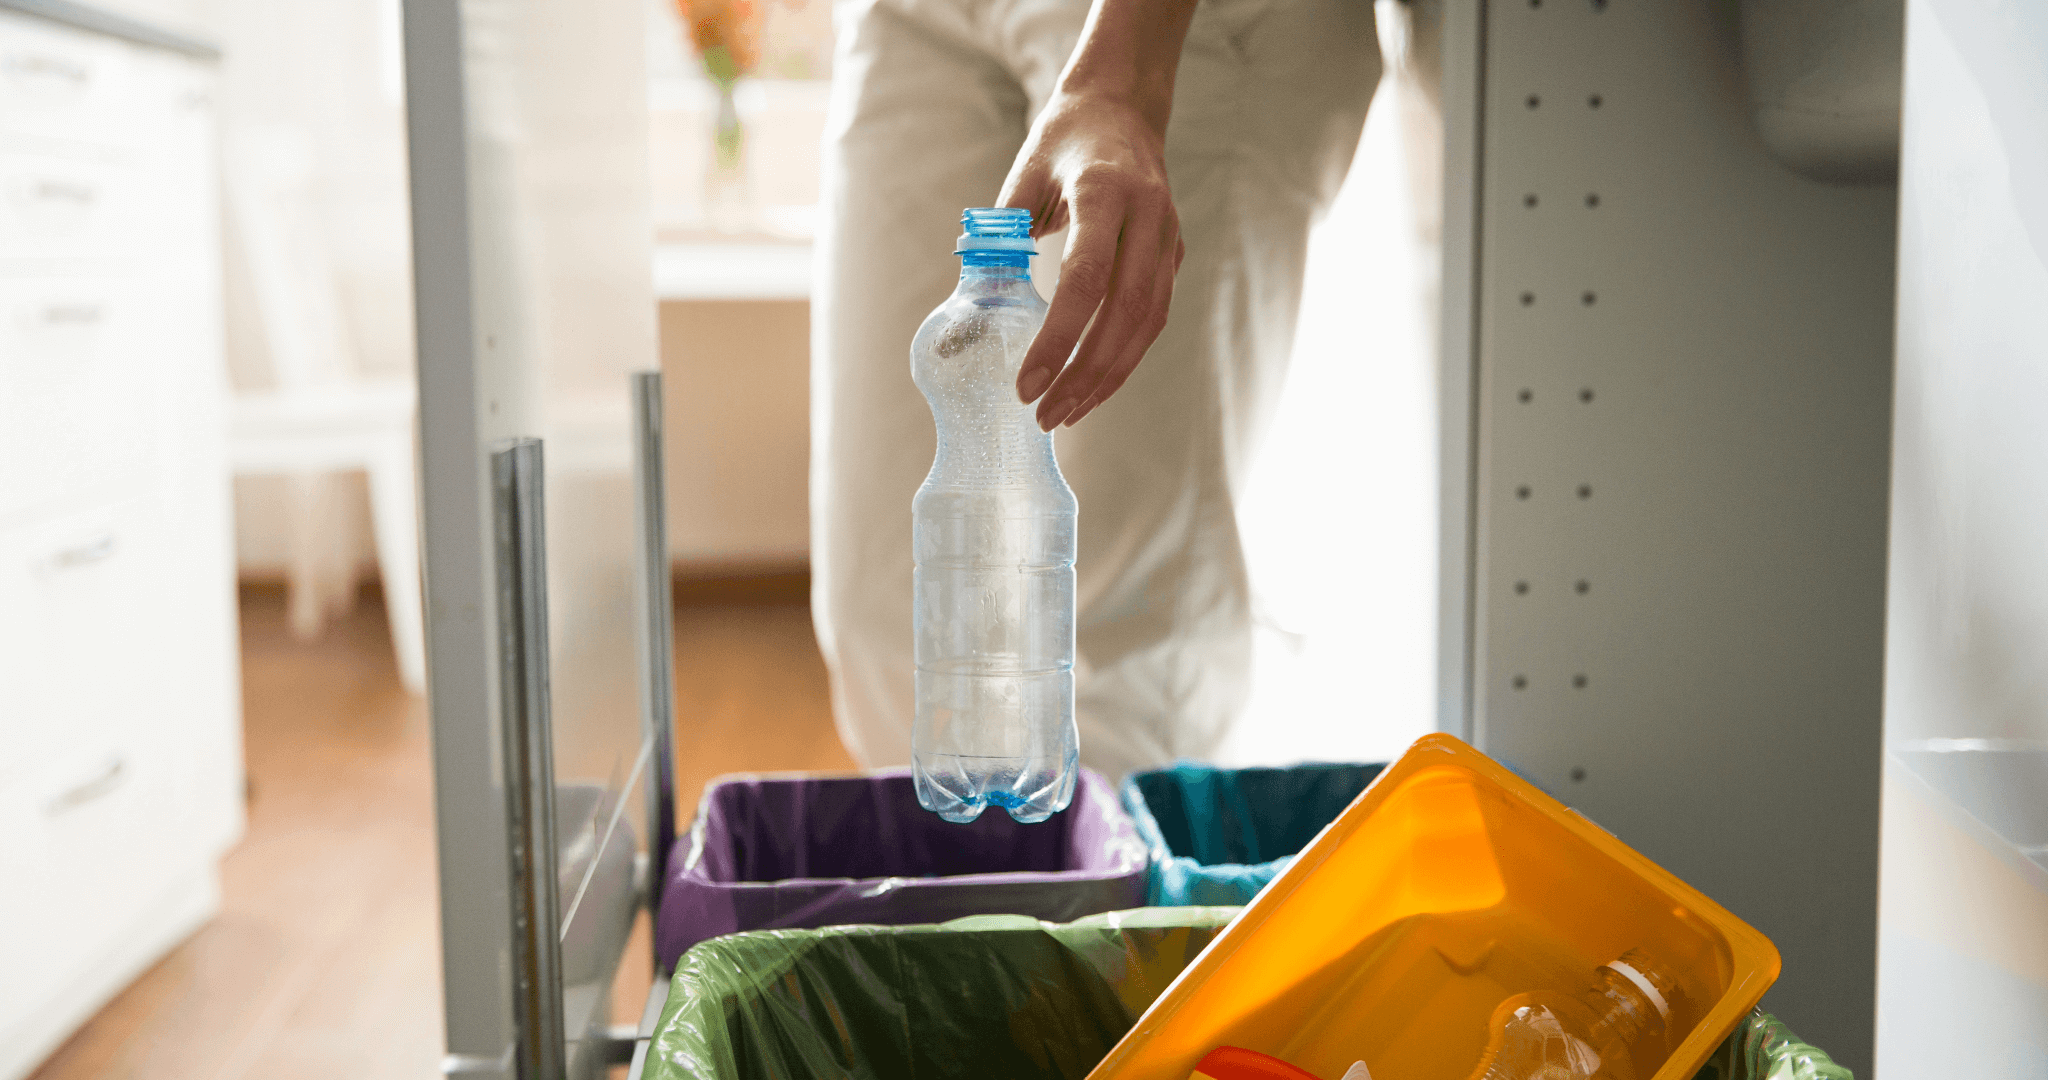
x=728, y=189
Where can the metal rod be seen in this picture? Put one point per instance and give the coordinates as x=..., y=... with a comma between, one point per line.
x=657, y=627
x=519, y=516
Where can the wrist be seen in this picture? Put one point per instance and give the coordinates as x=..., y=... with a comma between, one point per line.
x=1149, y=105
x=1129, y=53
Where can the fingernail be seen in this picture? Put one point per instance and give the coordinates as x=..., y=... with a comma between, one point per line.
x=1050, y=418
x=1034, y=384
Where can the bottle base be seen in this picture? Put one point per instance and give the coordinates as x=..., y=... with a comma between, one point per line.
x=959, y=790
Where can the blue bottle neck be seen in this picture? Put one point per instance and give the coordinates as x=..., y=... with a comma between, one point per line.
x=997, y=243
x=995, y=264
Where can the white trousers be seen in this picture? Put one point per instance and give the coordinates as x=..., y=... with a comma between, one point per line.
x=931, y=101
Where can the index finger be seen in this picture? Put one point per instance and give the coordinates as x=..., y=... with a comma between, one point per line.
x=1130, y=317
x=1084, y=280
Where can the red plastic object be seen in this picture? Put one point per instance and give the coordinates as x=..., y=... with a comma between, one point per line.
x=1237, y=1063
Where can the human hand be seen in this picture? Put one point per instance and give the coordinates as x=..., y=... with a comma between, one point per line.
x=1099, y=163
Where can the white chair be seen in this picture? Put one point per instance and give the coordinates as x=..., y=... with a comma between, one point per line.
x=320, y=418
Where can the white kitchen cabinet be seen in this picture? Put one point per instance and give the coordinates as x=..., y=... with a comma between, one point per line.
x=120, y=733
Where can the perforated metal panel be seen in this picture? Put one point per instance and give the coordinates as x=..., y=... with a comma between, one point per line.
x=1679, y=357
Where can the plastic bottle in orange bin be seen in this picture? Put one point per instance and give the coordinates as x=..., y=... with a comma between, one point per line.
x=1587, y=1035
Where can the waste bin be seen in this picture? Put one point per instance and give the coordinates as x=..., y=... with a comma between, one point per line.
x=1450, y=885
x=994, y=997
x=772, y=852
x=1217, y=836
x=985, y=998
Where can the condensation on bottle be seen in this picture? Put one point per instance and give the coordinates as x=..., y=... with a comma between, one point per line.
x=993, y=530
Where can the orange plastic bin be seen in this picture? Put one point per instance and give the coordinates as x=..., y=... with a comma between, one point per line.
x=1449, y=885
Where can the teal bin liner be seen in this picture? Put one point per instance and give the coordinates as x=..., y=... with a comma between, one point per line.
x=1217, y=836
x=989, y=997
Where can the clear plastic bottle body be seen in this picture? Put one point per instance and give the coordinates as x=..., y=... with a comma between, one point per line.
x=993, y=531
x=1589, y=1033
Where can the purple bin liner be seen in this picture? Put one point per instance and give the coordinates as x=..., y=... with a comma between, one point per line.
x=775, y=852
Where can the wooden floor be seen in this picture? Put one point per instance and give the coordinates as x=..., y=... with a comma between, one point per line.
x=324, y=960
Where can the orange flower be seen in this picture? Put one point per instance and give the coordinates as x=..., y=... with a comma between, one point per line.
x=727, y=34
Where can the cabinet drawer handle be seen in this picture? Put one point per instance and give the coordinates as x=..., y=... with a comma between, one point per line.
x=100, y=785
x=81, y=316
x=57, y=192
x=98, y=549
x=30, y=66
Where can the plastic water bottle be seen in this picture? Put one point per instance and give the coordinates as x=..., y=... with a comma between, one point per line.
x=1590, y=1033
x=993, y=532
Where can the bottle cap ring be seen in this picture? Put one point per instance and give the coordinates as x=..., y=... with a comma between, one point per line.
x=968, y=243
x=995, y=228
x=1628, y=971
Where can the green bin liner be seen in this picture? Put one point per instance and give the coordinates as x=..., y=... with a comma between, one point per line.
x=990, y=997
x=994, y=997
x=1763, y=1048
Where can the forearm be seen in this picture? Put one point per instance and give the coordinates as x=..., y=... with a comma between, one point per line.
x=1129, y=51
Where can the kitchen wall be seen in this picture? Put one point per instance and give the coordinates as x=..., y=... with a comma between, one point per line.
x=327, y=70
x=330, y=69
x=737, y=375
x=737, y=370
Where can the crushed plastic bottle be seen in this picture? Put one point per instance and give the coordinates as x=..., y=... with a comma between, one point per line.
x=1589, y=1034
x=994, y=533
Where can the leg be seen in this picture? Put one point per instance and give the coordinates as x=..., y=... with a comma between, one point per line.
x=923, y=123
x=1422, y=135
x=319, y=575
x=305, y=609
x=1269, y=105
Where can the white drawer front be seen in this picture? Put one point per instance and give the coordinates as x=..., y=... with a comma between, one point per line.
x=114, y=779
x=93, y=842
x=63, y=84
x=56, y=206
x=81, y=386
x=75, y=596
x=140, y=192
